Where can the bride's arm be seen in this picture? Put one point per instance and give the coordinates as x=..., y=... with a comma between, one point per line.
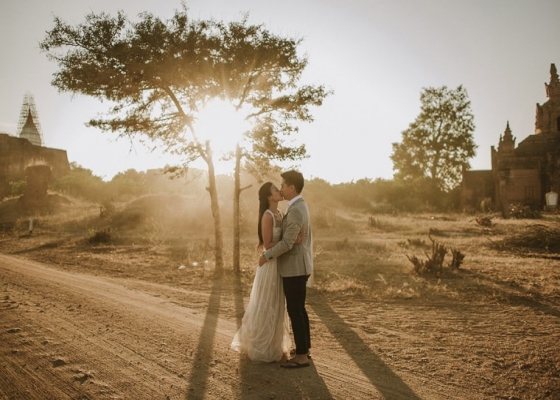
x=267, y=225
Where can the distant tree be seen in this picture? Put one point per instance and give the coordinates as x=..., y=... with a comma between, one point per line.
x=436, y=147
x=129, y=182
x=160, y=75
x=81, y=182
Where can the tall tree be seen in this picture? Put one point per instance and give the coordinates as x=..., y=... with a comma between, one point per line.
x=272, y=107
x=437, y=146
x=160, y=75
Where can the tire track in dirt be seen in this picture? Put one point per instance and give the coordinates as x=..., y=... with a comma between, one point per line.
x=119, y=334
x=84, y=336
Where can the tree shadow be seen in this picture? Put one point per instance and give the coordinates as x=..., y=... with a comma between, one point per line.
x=389, y=384
x=239, y=305
x=48, y=245
x=200, y=371
x=513, y=293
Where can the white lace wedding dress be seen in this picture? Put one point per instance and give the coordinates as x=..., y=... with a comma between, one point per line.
x=264, y=333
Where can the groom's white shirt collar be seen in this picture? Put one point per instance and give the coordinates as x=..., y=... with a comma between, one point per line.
x=293, y=201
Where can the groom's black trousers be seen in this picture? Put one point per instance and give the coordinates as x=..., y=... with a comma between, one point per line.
x=295, y=292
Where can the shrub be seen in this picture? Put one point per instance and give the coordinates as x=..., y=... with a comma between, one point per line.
x=457, y=260
x=520, y=211
x=434, y=265
x=81, y=182
x=17, y=187
x=485, y=221
x=535, y=237
x=107, y=209
x=100, y=236
x=374, y=223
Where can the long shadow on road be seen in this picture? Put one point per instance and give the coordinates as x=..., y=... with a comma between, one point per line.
x=389, y=384
x=198, y=380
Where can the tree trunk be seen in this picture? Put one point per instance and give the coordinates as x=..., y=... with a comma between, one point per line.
x=218, y=234
x=236, y=195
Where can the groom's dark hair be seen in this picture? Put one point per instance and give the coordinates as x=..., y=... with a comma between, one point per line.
x=295, y=178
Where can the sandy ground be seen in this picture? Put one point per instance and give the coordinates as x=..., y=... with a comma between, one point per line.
x=69, y=331
x=69, y=335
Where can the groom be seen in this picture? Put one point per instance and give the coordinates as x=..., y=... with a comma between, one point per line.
x=295, y=263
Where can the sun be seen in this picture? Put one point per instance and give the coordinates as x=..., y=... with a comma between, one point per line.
x=221, y=124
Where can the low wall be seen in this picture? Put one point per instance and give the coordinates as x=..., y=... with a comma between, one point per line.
x=16, y=154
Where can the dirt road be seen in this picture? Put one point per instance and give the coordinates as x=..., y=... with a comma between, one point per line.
x=68, y=335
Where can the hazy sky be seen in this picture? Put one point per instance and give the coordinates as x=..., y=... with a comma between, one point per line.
x=376, y=55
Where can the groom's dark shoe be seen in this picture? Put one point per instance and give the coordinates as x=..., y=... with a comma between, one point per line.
x=293, y=353
x=292, y=363
x=298, y=361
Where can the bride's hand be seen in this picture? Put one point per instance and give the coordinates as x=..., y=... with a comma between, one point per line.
x=300, y=238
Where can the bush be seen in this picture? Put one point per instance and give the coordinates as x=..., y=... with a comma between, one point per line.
x=538, y=237
x=81, y=182
x=485, y=221
x=18, y=187
x=100, y=236
x=520, y=211
x=434, y=265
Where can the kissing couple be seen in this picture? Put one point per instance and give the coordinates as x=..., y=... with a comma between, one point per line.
x=281, y=279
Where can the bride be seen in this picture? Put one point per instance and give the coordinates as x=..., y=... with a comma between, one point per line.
x=264, y=334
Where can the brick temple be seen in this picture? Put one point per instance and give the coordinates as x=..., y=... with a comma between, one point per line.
x=522, y=174
x=19, y=153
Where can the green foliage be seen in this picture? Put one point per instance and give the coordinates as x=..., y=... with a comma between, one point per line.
x=162, y=73
x=129, y=183
x=81, y=182
x=383, y=196
x=357, y=194
x=399, y=195
x=436, y=147
x=520, y=211
x=375, y=197
x=18, y=187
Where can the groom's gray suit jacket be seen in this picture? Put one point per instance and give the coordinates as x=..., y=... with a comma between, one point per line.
x=294, y=259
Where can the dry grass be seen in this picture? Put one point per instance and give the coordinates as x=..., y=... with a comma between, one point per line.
x=355, y=254
x=497, y=315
